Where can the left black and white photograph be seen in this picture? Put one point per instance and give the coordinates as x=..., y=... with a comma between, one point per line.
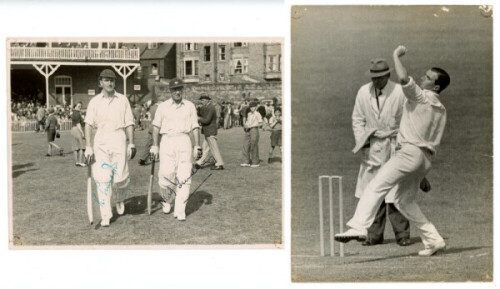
x=144, y=143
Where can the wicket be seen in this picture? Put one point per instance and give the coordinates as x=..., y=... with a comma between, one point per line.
x=341, y=214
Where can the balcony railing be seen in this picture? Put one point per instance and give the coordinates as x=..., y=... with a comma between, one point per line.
x=83, y=54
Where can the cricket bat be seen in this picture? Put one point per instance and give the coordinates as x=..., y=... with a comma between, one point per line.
x=150, y=189
x=89, y=194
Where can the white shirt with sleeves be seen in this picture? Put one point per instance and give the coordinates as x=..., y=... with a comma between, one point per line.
x=424, y=117
x=254, y=119
x=109, y=113
x=174, y=119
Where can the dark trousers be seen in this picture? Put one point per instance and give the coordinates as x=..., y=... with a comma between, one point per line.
x=400, y=225
x=147, y=147
x=251, y=146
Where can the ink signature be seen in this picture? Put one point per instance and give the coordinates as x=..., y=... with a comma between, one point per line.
x=103, y=187
x=179, y=184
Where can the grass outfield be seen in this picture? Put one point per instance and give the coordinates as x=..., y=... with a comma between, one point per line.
x=331, y=50
x=237, y=206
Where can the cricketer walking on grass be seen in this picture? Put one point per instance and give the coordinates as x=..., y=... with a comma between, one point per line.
x=175, y=120
x=110, y=114
x=421, y=129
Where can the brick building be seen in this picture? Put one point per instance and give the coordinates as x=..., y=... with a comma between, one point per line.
x=231, y=62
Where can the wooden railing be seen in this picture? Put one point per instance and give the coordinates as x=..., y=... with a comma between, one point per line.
x=31, y=125
x=43, y=53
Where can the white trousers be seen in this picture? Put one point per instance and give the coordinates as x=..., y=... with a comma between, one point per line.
x=110, y=167
x=406, y=169
x=210, y=145
x=176, y=154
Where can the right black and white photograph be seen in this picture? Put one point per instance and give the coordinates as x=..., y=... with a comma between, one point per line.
x=392, y=143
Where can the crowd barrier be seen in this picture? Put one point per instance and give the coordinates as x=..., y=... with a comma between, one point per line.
x=32, y=125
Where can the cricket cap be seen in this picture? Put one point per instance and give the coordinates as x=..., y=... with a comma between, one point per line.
x=107, y=73
x=176, y=82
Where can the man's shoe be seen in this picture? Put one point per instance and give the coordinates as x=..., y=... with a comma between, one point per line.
x=217, y=168
x=61, y=152
x=83, y=164
x=245, y=165
x=120, y=208
x=269, y=160
x=48, y=155
x=166, y=207
x=433, y=249
x=403, y=242
x=142, y=162
x=255, y=166
x=197, y=166
x=350, y=235
x=372, y=242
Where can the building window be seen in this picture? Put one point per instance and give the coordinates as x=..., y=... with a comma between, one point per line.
x=206, y=53
x=222, y=76
x=273, y=63
x=154, y=69
x=240, y=66
x=190, y=46
x=191, y=67
x=207, y=77
x=240, y=44
x=222, y=52
x=153, y=45
x=62, y=80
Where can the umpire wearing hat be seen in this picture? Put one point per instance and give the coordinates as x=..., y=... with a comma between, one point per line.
x=208, y=121
x=110, y=114
x=375, y=121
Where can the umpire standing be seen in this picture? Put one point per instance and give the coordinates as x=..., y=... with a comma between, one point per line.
x=208, y=121
x=375, y=122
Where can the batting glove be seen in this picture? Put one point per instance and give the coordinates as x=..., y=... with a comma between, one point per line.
x=89, y=154
x=131, y=150
x=154, y=152
x=197, y=152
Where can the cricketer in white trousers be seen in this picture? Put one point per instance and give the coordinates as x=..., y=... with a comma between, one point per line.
x=110, y=170
x=175, y=122
x=421, y=129
x=110, y=116
x=176, y=169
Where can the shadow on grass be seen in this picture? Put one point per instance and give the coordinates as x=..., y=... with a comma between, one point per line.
x=198, y=199
x=276, y=159
x=412, y=241
x=17, y=170
x=445, y=252
x=138, y=205
x=22, y=166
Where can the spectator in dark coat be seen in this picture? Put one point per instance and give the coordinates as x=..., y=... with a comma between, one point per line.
x=208, y=122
